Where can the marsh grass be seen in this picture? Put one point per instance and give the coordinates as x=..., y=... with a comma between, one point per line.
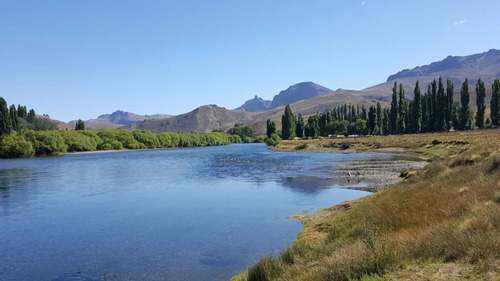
x=447, y=216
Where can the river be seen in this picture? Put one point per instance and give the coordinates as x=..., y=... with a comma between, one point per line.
x=174, y=214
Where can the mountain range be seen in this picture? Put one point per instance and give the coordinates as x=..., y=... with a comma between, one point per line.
x=295, y=93
x=309, y=98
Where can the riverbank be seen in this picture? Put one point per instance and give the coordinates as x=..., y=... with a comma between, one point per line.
x=439, y=223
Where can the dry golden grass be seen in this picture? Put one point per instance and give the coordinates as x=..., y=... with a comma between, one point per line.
x=442, y=223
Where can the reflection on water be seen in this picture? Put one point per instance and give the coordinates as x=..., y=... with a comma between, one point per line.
x=179, y=214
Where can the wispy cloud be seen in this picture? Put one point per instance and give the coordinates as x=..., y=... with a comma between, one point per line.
x=459, y=22
x=363, y=3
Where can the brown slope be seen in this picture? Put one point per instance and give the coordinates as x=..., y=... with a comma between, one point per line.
x=204, y=119
x=117, y=119
x=209, y=117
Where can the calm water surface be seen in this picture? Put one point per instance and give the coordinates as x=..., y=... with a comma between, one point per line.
x=183, y=214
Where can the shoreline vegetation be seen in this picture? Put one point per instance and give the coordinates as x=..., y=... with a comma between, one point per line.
x=29, y=143
x=441, y=222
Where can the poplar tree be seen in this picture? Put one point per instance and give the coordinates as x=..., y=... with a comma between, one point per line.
x=434, y=106
x=401, y=120
x=13, y=118
x=270, y=128
x=300, y=126
x=480, y=95
x=31, y=116
x=312, y=127
x=495, y=103
x=379, y=118
x=80, y=125
x=464, y=100
x=425, y=114
x=440, y=106
x=417, y=109
x=372, y=119
x=364, y=114
x=21, y=111
x=386, y=121
x=5, y=123
x=449, y=104
x=394, y=110
x=288, y=124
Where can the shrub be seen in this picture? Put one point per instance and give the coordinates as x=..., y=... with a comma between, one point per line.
x=345, y=145
x=494, y=164
x=436, y=142
x=301, y=146
x=15, y=146
x=81, y=140
x=46, y=142
x=274, y=140
x=110, y=137
x=147, y=138
x=496, y=196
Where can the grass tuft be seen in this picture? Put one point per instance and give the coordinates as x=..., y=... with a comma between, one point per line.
x=266, y=269
x=301, y=146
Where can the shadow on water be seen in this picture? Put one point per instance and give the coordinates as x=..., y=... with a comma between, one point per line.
x=308, y=185
x=11, y=179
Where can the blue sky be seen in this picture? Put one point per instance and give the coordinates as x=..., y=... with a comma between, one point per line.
x=82, y=58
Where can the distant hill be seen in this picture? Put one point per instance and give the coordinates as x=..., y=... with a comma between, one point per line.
x=118, y=119
x=298, y=92
x=254, y=105
x=485, y=65
x=209, y=117
x=295, y=93
x=204, y=119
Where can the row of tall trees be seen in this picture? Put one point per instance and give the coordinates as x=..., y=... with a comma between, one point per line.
x=434, y=111
x=13, y=119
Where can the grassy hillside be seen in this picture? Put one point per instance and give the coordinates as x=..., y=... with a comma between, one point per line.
x=440, y=223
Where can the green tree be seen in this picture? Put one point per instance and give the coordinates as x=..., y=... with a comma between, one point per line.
x=300, y=126
x=21, y=111
x=372, y=119
x=380, y=119
x=401, y=121
x=480, y=95
x=13, y=118
x=495, y=103
x=80, y=125
x=434, y=106
x=386, y=120
x=449, y=104
x=465, y=109
x=5, y=123
x=288, y=124
x=440, y=106
x=417, y=109
x=312, y=127
x=270, y=128
x=31, y=116
x=246, y=133
x=394, y=110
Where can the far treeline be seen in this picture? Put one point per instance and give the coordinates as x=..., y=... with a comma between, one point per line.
x=23, y=134
x=434, y=111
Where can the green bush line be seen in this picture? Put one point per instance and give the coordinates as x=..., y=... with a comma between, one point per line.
x=29, y=143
